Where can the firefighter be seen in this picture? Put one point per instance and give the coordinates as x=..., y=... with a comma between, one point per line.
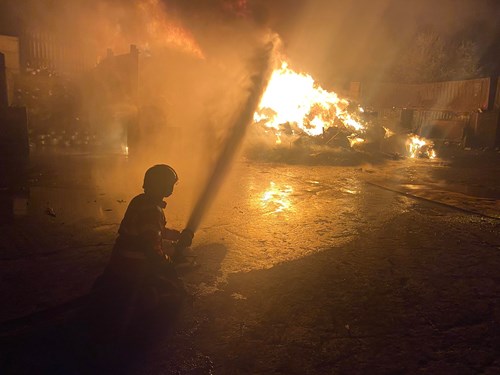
x=139, y=287
x=144, y=225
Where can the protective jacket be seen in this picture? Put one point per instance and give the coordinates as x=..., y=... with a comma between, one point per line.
x=139, y=287
x=142, y=230
x=138, y=265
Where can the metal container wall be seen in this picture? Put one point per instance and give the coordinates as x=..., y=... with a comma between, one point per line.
x=485, y=128
x=458, y=96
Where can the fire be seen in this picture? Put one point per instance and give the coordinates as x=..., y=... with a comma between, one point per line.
x=164, y=31
x=388, y=132
x=276, y=198
x=144, y=23
x=296, y=99
x=353, y=140
x=294, y=104
x=420, y=147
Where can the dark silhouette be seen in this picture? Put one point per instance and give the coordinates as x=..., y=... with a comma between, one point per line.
x=135, y=301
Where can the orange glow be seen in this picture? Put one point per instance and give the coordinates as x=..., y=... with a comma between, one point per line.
x=295, y=98
x=353, y=140
x=388, y=132
x=164, y=31
x=275, y=199
x=418, y=147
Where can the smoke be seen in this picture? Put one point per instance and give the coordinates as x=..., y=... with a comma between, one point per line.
x=193, y=74
x=345, y=40
x=237, y=132
x=194, y=55
x=96, y=25
x=332, y=40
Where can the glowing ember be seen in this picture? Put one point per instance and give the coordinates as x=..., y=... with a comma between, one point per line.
x=293, y=104
x=420, y=147
x=353, y=140
x=294, y=98
x=276, y=199
x=388, y=132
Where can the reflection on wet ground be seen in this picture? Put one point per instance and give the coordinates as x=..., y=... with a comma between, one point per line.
x=287, y=252
x=267, y=214
x=471, y=188
x=479, y=180
x=294, y=210
x=275, y=199
x=264, y=215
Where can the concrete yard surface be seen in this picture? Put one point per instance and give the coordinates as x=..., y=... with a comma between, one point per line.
x=375, y=269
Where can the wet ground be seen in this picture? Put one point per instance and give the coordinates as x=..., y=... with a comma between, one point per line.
x=390, y=268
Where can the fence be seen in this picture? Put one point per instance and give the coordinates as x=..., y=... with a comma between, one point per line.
x=457, y=96
x=441, y=110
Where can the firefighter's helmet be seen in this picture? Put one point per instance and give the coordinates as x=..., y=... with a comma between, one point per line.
x=159, y=175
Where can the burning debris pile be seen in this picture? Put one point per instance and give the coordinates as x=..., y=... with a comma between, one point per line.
x=298, y=117
x=419, y=147
x=295, y=99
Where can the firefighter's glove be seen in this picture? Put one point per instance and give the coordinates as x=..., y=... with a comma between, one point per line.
x=186, y=238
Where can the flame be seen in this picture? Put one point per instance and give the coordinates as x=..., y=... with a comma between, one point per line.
x=164, y=31
x=144, y=23
x=353, y=140
x=388, y=132
x=276, y=198
x=420, y=147
x=296, y=99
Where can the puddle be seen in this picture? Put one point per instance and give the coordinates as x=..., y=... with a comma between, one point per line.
x=414, y=186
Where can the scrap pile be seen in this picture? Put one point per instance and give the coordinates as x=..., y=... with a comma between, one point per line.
x=298, y=119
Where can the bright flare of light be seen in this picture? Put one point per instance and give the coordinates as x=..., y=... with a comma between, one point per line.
x=388, y=132
x=278, y=137
x=276, y=199
x=418, y=146
x=294, y=98
x=353, y=140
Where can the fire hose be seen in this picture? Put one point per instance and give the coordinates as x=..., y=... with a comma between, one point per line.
x=236, y=134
